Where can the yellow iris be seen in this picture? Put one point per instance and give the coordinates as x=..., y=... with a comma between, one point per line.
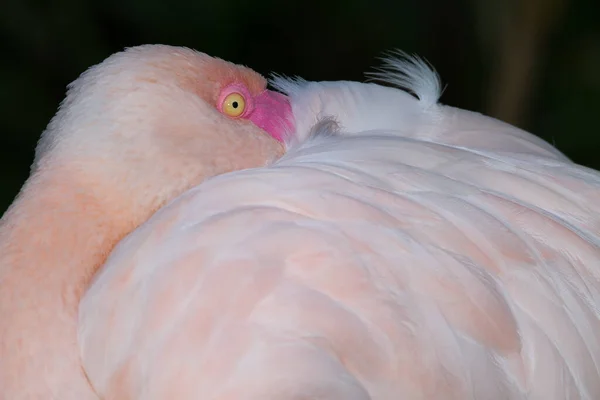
x=234, y=105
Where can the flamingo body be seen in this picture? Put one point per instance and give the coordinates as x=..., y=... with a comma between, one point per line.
x=455, y=257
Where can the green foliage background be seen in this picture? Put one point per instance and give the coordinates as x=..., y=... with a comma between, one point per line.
x=479, y=47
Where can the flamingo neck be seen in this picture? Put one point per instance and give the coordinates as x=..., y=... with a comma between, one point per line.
x=52, y=240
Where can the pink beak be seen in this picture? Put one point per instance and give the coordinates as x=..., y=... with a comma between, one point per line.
x=273, y=114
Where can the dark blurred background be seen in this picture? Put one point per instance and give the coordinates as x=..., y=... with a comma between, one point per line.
x=533, y=63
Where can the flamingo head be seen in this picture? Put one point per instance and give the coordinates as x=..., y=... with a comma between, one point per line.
x=150, y=122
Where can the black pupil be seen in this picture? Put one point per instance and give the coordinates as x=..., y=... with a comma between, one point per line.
x=235, y=104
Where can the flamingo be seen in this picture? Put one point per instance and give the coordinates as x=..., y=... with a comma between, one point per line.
x=392, y=247
x=133, y=132
x=399, y=249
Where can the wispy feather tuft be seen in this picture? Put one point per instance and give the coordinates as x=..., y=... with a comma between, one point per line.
x=286, y=85
x=412, y=73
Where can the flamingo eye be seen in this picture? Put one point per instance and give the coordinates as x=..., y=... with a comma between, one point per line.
x=234, y=105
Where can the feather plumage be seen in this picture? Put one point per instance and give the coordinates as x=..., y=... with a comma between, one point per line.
x=362, y=265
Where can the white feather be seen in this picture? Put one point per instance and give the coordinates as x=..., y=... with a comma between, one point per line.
x=412, y=73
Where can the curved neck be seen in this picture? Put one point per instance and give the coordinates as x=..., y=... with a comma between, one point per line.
x=52, y=240
x=56, y=230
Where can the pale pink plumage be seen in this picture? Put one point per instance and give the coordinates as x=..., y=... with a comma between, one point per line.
x=417, y=252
